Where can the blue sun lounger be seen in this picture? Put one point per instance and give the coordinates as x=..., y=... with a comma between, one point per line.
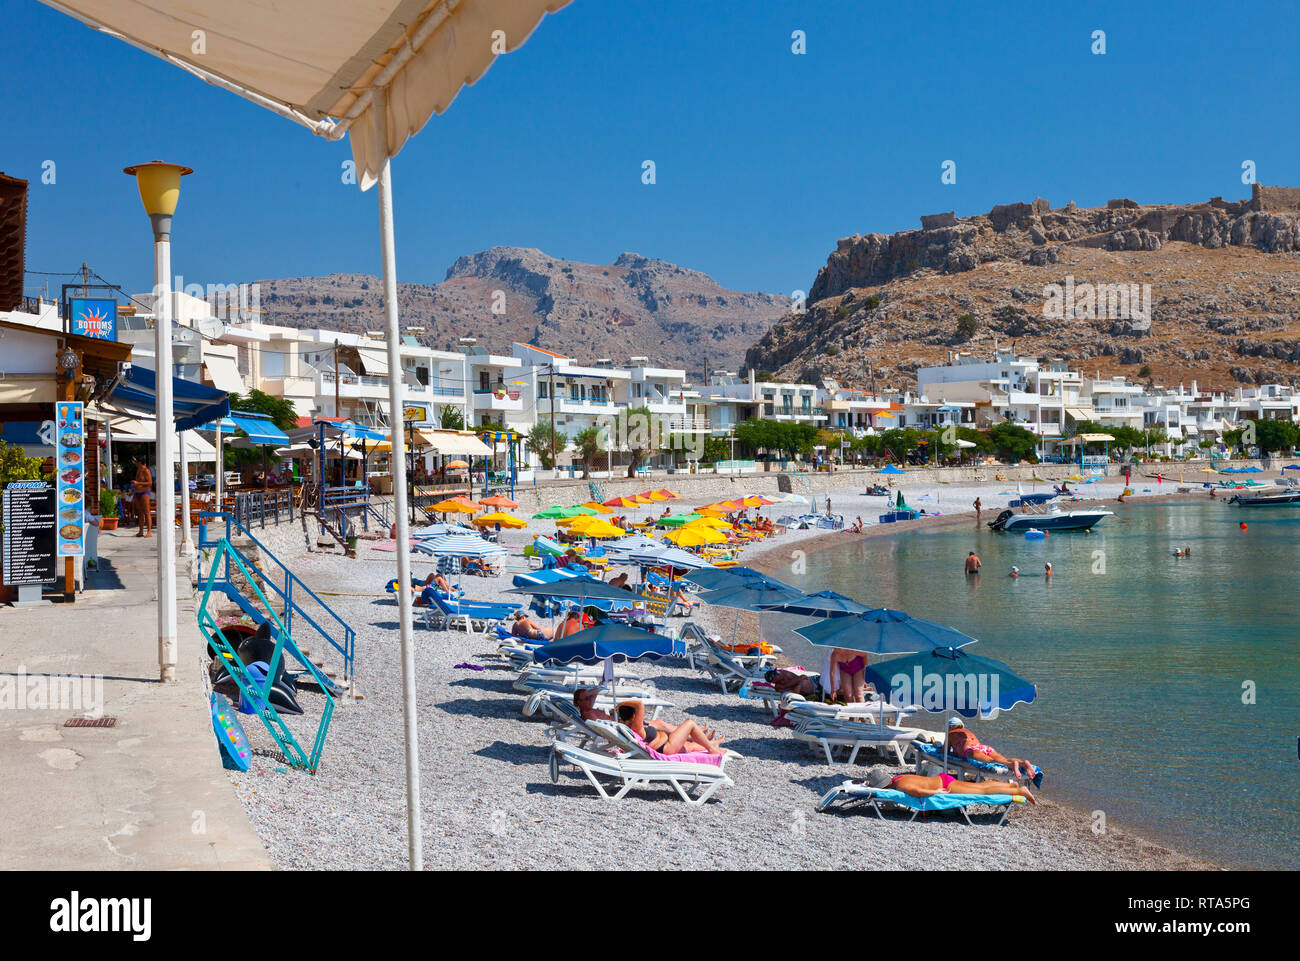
x=853, y=794
x=930, y=754
x=446, y=613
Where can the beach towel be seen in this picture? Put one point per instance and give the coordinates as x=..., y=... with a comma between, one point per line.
x=693, y=757
x=469, y=667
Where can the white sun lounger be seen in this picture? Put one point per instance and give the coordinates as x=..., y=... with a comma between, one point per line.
x=929, y=755
x=829, y=734
x=694, y=783
x=797, y=706
x=734, y=671
x=852, y=794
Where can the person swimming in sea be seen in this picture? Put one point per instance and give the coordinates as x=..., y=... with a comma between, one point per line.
x=1047, y=569
x=1015, y=572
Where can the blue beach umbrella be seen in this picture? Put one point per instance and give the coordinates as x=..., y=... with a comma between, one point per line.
x=821, y=604
x=751, y=595
x=604, y=642
x=884, y=631
x=949, y=679
x=726, y=578
x=889, y=469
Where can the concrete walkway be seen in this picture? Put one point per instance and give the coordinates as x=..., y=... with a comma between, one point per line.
x=149, y=793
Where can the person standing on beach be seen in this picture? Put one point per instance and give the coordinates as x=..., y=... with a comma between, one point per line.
x=978, y=507
x=143, y=484
x=973, y=563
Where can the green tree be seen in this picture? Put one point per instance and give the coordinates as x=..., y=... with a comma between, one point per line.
x=539, y=442
x=1012, y=442
x=635, y=430
x=1275, y=435
x=590, y=444
x=452, y=418
x=17, y=466
x=967, y=325
x=281, y=412
x=899, y=441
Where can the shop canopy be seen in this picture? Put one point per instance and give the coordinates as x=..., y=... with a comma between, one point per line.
x=329, y=65
x=259, y=427
x=136, y=390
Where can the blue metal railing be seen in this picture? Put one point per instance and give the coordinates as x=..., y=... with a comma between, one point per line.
x=289, y=586
x=262, y=506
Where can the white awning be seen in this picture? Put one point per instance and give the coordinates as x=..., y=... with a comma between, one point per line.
x=1079, y=413
x=141, y=431
x=326, y=63
x=457, y=443
x=224, y=374
x=374, y=360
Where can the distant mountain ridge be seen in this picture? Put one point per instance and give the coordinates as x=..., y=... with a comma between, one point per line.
x=1224, y=281
x=635, y=306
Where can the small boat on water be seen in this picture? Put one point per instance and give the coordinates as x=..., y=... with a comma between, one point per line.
x=1271, y=499
x=1051, y=518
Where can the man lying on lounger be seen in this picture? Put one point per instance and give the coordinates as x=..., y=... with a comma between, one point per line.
x=962, y=742
x=692, y=737
x=527, y=628
x=434, y=582
x=918, y=785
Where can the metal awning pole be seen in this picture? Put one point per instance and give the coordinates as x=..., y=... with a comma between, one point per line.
x=403, y=532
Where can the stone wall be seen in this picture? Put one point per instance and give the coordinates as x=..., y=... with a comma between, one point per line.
x=1274, y=198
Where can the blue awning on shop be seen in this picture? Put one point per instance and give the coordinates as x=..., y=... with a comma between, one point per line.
x=136, y=390
x=259, y=427
x=368, y=433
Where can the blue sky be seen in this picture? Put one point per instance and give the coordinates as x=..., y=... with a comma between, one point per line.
x=764, y=158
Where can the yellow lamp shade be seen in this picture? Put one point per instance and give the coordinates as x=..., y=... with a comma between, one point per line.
x=160, y=185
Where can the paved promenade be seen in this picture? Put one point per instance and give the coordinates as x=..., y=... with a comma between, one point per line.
x=148, y=793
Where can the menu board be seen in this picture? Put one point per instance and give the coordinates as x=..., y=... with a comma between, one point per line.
x=70, y=472
x=30, y=538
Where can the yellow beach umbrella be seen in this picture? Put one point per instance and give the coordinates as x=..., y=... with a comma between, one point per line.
x=602, y=529
x=652, y=495
x=598, y=507
x=689, y=536
x=716, y=523
x=500, y=517
x=453, y=506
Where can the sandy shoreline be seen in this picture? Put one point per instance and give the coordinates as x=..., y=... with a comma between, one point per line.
x=488, y=800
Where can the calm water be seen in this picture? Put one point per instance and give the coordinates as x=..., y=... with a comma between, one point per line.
x=1140, y=669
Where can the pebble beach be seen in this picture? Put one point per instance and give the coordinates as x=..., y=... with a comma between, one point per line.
x=487, y=797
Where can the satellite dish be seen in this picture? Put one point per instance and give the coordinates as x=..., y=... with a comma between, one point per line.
x=210, y=327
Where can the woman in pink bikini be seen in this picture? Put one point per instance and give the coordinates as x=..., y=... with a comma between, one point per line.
x=846, y=680
x=962, y=742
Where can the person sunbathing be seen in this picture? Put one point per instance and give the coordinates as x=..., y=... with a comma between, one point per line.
x=573, y=622
x=680, y=601
x=619, y=581
x=527, y=628
x=584, y=699
x=434, y=583
x=686, y=738
x=962, y=742
x=920, y=785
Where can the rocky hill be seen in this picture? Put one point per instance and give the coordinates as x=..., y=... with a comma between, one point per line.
x=1223, y=276
x=634, y=306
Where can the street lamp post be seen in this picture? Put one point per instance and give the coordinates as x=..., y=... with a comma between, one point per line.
x=160, y=187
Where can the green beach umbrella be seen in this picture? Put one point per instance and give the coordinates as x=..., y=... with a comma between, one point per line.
x=677, y=520
x=551, y=513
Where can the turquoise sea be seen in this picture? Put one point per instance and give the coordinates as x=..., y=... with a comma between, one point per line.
x=1142, y=660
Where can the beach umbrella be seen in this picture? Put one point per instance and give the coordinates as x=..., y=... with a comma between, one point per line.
x=677, y=520
x=757, y=500
x=716, y=523
x=751, y=595
x=598, y=508
x=452, y=506
x=947, y=679
x=601, y=529
x=582, y=588
x=670, y=495
x=550, y=513
x=435, y=530
x=498, y=500
x=883, y=631
x=889, y=469
x=499, y=517
x=457, y=465
x=577, y=509
x=607, y=641
x=901, y=504
x=661, y=555
x=458, y=545
x=821, y=604
x=688, y=536
x=720, y=578
x=619, y=502
x=633, y=542
x=653, y=496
